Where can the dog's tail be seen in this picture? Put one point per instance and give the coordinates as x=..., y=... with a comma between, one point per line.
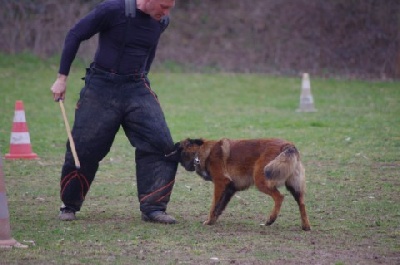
x=285, y=165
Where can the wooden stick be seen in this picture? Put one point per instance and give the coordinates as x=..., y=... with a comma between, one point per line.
x=71, y=140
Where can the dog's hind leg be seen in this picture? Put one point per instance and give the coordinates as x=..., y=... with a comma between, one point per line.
x=223, y=192
x=269, y=188
x=278, y=199
x=299, y=197
x=296, y=186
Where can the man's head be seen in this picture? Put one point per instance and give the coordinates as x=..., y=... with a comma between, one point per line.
x=156, y=8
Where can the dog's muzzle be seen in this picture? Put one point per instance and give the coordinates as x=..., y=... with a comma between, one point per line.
x=187, y=161
x=196, y=161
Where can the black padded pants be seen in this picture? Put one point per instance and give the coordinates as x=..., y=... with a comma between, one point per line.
x=107, y=102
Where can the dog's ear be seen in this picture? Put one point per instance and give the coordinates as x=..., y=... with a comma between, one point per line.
x=182, y=144
x=189, y=142
x=177, y=146
x=196, y=141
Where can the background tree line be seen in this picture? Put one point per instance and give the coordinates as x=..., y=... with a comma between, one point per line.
x=353, y=38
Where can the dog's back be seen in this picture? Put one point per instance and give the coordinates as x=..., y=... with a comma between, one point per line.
x=244, y=158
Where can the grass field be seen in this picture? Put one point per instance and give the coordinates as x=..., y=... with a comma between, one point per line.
x=350, y=148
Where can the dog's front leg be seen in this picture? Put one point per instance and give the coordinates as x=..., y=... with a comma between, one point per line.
x=223, y=192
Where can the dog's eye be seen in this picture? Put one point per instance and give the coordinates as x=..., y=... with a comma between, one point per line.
x=196, y=160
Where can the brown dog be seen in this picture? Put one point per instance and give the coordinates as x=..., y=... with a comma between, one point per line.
x=235, y=165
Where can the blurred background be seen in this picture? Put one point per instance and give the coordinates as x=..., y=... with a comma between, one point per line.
x=346, y=38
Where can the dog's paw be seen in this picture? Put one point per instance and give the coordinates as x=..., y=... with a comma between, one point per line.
x=270, y=222
x=208, y=222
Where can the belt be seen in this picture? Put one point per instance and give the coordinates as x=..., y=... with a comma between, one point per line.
x=99, y=68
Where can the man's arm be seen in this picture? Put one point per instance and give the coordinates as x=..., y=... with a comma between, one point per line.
x=88, y=26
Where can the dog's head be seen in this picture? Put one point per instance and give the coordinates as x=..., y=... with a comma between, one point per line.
x=189, y=149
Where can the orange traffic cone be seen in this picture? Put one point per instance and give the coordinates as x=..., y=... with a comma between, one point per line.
x=306, y=98
x=20, y=142
x=6, y=241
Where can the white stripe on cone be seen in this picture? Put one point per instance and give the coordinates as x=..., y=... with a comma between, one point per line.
x=19, y=116
x=20, y=138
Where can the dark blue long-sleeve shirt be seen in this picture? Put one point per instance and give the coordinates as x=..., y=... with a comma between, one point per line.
x=109, y=20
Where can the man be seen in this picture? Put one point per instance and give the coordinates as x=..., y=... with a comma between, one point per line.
x=117, y=93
